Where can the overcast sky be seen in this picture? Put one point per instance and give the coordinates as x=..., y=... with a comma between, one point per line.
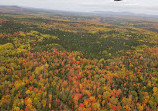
x=136, y=6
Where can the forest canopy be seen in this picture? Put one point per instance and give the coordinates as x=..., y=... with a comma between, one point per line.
x=77, y=63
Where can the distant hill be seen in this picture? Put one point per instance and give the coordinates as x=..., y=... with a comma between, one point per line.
x=28, y=10
x=36, y=11
x=126, y=14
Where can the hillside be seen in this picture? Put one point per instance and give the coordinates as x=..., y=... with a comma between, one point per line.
x=84, y=63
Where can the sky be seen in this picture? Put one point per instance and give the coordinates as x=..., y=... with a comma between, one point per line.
x=135, y=6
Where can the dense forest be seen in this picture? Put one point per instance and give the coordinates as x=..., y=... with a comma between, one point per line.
x=83, y=63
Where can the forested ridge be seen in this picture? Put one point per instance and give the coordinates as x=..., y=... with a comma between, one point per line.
x=77, y=63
